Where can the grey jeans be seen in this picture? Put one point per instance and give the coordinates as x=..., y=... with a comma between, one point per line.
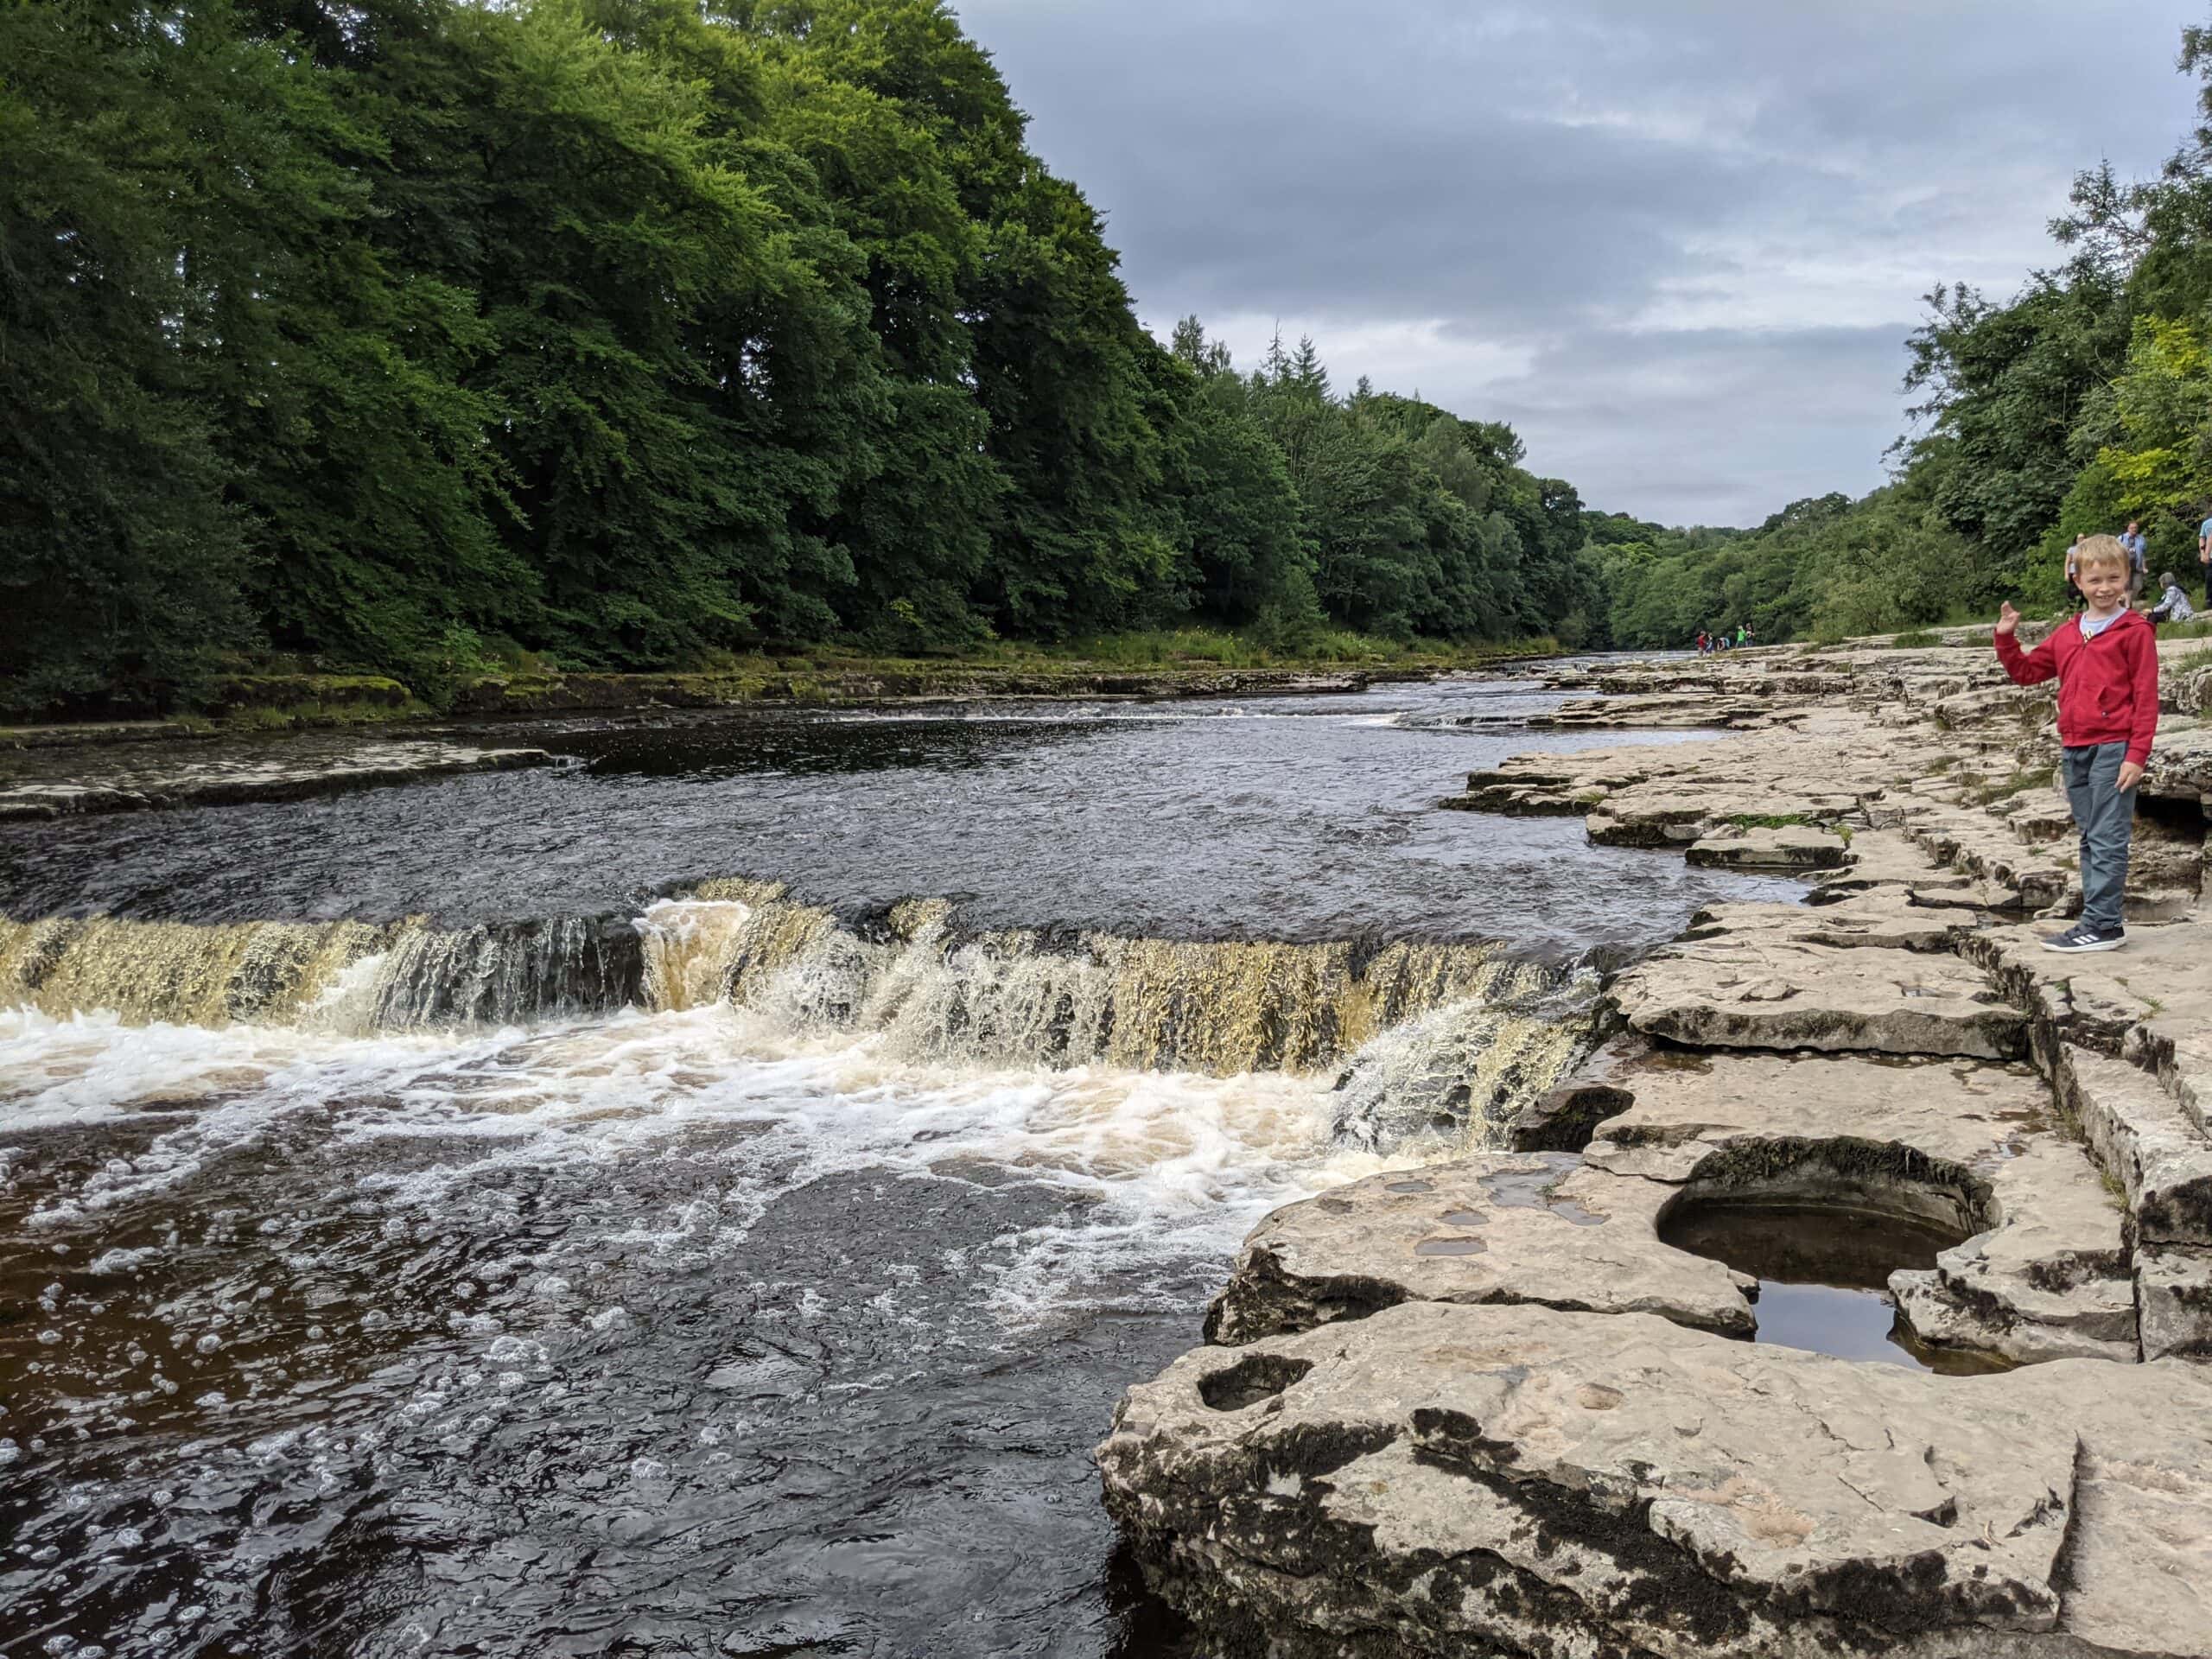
x=2106, y=820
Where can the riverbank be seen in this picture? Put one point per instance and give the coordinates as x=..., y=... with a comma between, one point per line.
x=1156, y=665
x=285, y=738
x=1508, y=1402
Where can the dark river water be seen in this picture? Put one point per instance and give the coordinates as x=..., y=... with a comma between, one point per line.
x=712, y=1330
x=1293, y=818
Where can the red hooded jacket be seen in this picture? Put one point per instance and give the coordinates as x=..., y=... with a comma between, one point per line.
x=2107, y=686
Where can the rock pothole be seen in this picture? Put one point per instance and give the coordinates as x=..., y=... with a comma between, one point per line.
x=1821, y=1226
x=1250, y=1380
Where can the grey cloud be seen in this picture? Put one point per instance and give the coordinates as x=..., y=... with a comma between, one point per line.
x=1711, y=426
x=1705, y=224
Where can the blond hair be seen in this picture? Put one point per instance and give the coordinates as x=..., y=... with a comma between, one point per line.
x=2101, y=550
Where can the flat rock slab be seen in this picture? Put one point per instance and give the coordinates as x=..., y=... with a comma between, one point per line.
x=300, y=768
x=1891, y=917
x=1970, y=1112
x=1499, y=1227
x=1886, y=858
x=1787, y=847
x=1780, y=994
x=2044, y=1274
x=1548, y=1482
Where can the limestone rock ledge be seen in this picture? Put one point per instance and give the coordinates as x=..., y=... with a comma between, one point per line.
x=1443, y=1480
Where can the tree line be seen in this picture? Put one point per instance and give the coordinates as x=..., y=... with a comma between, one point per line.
x=2082, y=403
x=413, y=334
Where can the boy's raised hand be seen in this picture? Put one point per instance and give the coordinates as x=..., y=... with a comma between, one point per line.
x=2008, y=618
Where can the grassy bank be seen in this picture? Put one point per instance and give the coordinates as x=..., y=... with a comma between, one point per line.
x=281, y=696
x=1195, y=649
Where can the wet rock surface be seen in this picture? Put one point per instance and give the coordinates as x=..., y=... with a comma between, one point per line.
x=1504, y=1227
x=142, y=777
x=1433, y=1422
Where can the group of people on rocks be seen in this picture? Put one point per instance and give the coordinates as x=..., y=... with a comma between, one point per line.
x=2172, y=604
x=1708, y=641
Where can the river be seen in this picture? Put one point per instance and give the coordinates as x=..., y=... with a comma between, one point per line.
x=706, y=1199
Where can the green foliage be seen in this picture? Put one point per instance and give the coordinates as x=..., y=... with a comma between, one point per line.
x=431, y=338
x=2083, y=403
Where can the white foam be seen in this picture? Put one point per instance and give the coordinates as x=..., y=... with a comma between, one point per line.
x=1165, y=1168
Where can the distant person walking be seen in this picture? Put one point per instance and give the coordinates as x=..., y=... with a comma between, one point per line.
x=2173, y=605
x=2138, y=557
x=2074, y=568
x=1743, y=634
x=2204, y=557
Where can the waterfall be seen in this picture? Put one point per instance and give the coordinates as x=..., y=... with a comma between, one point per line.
x=1473, y=1062
x=1425, y=1034
x=174, y=971
x=349, y=975
x=1431, y=1036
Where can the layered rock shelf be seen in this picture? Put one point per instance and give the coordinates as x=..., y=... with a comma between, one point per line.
x=149, y=776
x=1517, y=1400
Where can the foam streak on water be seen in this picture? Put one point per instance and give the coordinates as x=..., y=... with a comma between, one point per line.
x=378, y=1343
x=717, y=1272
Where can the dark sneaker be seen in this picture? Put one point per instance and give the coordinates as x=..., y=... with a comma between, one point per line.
x=2082, y=937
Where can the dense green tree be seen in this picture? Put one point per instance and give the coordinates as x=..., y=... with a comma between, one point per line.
x=120, y=556
x=411, y=335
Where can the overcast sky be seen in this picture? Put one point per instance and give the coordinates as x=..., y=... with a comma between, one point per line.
x=1677, y=243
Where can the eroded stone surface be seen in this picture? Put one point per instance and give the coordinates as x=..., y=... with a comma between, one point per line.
x=2043, y=1275
x=1788, y=847
x=1573, y=1483
x=2161, y=1159
x=2173, y=1290
x=1499, y=1227
x=1772, y=993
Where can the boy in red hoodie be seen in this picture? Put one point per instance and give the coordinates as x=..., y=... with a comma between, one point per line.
x=2106, y=661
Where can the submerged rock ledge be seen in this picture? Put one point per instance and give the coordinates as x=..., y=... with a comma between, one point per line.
x=1493, y=1406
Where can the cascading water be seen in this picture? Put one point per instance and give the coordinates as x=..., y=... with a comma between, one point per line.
x=722, y=1273
x=1023, y=997
x=341, y=975
x=1436, y=1034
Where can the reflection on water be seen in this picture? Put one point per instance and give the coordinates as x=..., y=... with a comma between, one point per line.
x=1297, y=818
x=1824, y=1276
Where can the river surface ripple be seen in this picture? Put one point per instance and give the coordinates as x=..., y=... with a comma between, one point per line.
x=698, y=1332
x=1286, y=817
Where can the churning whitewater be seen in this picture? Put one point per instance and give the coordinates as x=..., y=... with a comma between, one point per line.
x=727, y=1272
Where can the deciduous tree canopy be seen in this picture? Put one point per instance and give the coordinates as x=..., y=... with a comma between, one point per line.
x=403, y=333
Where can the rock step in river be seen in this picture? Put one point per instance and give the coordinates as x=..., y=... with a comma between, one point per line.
x=1503, y=1403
